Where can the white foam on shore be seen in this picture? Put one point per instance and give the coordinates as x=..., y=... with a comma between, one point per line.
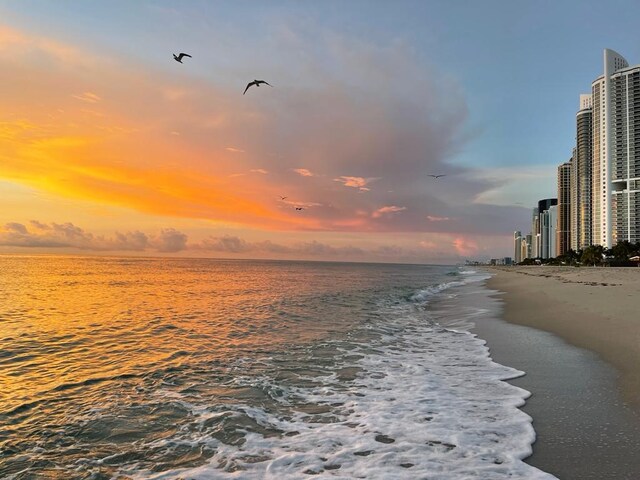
x=428, y=403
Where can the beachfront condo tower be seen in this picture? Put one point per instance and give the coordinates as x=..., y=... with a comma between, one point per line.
x=581, y=177
x=563, y=231
x=616, y=152
x=544, y=228
x=517, y=246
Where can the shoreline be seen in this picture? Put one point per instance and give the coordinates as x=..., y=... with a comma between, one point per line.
x=569, y=333
x=597, y=309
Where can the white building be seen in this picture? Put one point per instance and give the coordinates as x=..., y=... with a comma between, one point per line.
x=548, y=222
x=616, y=152
x=517, y=247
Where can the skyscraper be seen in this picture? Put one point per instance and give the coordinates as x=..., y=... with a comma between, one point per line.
x=581, y=177
x=548, y=219
x=517, y=246
x=544, y=225
x=563, y=231
x=535, y=233
x=616, y=152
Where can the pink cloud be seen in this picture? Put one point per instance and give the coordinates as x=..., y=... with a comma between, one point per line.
x=356, y=182
x=234, y=150
x=304, y=172
x=465, y=247
x=259, y=170
x=433, y=218
x=387, y=210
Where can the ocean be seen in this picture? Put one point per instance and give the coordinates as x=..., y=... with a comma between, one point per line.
x=157, y=368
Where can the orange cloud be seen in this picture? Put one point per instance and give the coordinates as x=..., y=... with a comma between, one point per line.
x=88, y=97
x=166, y=143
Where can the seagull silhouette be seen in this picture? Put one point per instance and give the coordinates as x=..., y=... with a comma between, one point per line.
x=282, y=198
x=178, y=58
x=299, y=208
x=437, y=176
x=256, y=83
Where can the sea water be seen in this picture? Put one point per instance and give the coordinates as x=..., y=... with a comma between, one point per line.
x=138, y=368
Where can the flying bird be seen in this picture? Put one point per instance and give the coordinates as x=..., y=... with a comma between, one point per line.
x=256, y=83
x=282, y=198
x=299, y=208
x=437, y=176
x=178, y=58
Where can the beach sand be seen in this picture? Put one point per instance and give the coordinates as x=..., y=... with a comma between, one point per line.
x=586, y=392
x=593, y=308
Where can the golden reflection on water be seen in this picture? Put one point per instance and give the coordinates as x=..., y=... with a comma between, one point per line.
x=68, y=320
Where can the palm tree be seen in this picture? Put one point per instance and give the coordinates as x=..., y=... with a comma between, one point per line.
x=592, y=255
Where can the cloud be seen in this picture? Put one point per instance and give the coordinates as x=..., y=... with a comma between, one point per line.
x=68, y=235
x=16, y=228
x=304, y=172
x=356, y=182
x=228, y=244
x=327, y=119
x=386, y=210
x=465, y=247
x=435, y=218
x=170, y=241
x=88, y=97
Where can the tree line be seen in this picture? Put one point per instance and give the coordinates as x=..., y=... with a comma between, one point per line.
x=594, y=255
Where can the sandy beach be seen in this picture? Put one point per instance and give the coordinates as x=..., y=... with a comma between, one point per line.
x=576, y=334
x=593, y=308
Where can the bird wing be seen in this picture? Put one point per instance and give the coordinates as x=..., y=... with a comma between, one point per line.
x=248, y=85
x=184, y=55
x=262, y=81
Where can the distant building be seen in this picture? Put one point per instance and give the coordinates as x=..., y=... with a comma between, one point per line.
x=517, y=246
x=545, y=227
x=563, y=231
x=581, y=176
x=535, y=234
x=616, y=156
x=501, y=261
x=529, y=240
x=553, y=227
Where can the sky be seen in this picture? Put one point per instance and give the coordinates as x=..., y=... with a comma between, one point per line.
x=108, y=146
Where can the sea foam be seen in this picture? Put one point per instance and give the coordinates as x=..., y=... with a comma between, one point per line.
x=423, y=402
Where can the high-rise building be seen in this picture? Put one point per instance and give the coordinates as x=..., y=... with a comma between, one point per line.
x=535, y=233
x=517, y=246
x=563, y=231
x=529, y=240
x=616, y=152
x=544, y=228
x=581, y=177
x=548, y=220
x=553, y=222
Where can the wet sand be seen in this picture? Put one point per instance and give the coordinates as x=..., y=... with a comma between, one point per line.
x=584, y=375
